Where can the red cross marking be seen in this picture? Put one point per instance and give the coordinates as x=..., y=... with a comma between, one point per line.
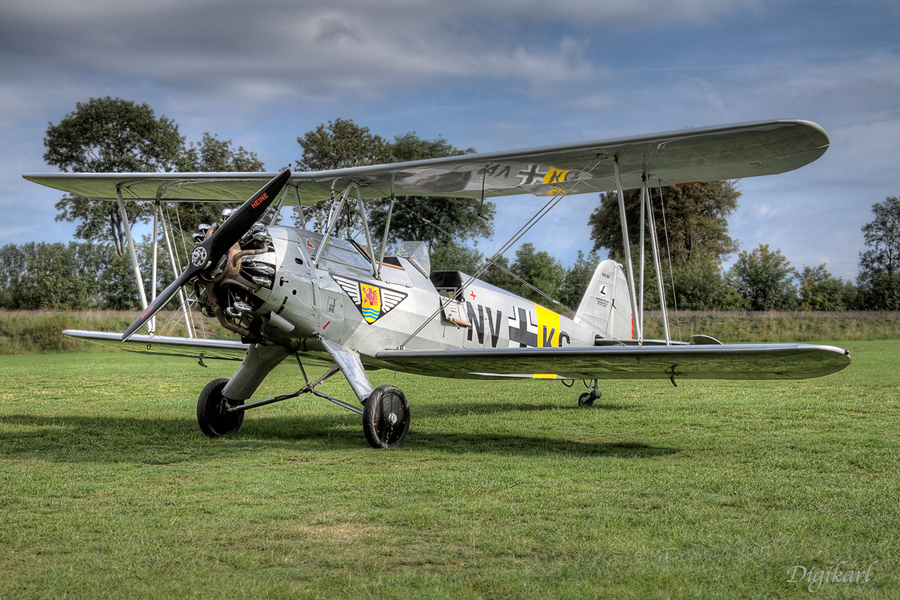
x=472, y=293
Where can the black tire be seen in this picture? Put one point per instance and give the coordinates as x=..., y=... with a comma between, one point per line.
x=386, y=417
x=211, y=415
x=586, y=400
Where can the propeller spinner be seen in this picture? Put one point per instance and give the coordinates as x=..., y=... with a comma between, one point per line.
x=208, y=253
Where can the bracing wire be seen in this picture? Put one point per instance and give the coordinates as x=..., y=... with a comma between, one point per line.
x=499, y=266
x=540, y=214
x=662, y=205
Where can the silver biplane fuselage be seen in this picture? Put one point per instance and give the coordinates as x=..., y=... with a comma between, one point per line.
x=321, y=308
x=344, y=298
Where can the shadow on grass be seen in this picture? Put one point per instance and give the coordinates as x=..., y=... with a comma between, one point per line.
x=524, y=445
x=73, y=439
x=443, y=409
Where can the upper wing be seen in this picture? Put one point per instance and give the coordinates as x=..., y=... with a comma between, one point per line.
x=712, y=154
x=738, y=361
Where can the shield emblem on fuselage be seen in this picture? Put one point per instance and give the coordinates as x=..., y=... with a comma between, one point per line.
x=371, y=302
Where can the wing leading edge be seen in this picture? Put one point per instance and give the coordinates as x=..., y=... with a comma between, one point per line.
x=709, y=154
x=736, y=362
x=166, y=346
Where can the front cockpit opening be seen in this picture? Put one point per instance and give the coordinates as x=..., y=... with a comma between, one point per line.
x=417, y=254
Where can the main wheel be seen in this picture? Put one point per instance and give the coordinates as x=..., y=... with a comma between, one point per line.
x=386, y=417
x=211, y=415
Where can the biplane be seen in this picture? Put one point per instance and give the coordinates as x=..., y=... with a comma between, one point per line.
x=317, y=298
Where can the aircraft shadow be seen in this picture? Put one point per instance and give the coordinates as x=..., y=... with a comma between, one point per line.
x=74, y=439
x=440, y=409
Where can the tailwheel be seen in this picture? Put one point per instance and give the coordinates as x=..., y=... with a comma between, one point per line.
x=211, y=415
x=586, y=400
x=386, y=417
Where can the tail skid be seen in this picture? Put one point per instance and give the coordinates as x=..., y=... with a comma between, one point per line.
x=606, y=306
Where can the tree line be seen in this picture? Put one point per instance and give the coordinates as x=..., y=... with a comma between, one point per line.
x=115, y=135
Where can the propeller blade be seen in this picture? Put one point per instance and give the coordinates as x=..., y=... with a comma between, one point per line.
x=242, y=219
x=161, y=300
x=217, y=244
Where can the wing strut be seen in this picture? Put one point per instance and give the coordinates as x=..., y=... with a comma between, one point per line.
x=332, y=221
x=384, y=238
x=134, y=261
x=176, y=268
x=627, y=245
x=645, y=193
x=637, y=308
x=365, y=224
x=300, y=214
x=159, y=221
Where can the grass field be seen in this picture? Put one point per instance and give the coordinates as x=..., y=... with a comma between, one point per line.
x=502, y=490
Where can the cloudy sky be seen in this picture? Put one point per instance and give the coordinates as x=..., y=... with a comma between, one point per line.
x=488, y=74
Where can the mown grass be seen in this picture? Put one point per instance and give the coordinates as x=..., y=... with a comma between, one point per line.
x=33, y=331
x=776, y=327
x=503, y=490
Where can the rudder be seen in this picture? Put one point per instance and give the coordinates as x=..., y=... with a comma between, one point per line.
x=606, y=306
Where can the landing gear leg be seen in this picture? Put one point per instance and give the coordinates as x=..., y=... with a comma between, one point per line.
x=586, y=400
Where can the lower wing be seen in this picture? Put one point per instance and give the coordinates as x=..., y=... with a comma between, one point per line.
x=738, y=361
x=690, y=361
x=167, y=346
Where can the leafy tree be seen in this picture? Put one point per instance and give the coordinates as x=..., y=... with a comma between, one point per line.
x=52, y=278
x=339, y=145
x=110, y=135
x=453, y=256
x=701, y=285
x=882, y=292
x=12, y=266
x=498, y=274
x=820, y=291
x=540, y=270
x=879, y=274
x=117, y=288
x=882, y=236
x=695, y=221
x=211, y=155
x=342, y=144
x=765, y=280
x=431, y=220
x=75, y=276
x=576, y=279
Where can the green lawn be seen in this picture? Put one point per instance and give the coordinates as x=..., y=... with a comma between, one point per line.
x=502, y=490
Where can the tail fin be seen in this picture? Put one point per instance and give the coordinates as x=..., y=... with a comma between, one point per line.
x=606, y=305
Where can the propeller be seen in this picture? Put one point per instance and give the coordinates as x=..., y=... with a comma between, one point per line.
x=211, y=249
